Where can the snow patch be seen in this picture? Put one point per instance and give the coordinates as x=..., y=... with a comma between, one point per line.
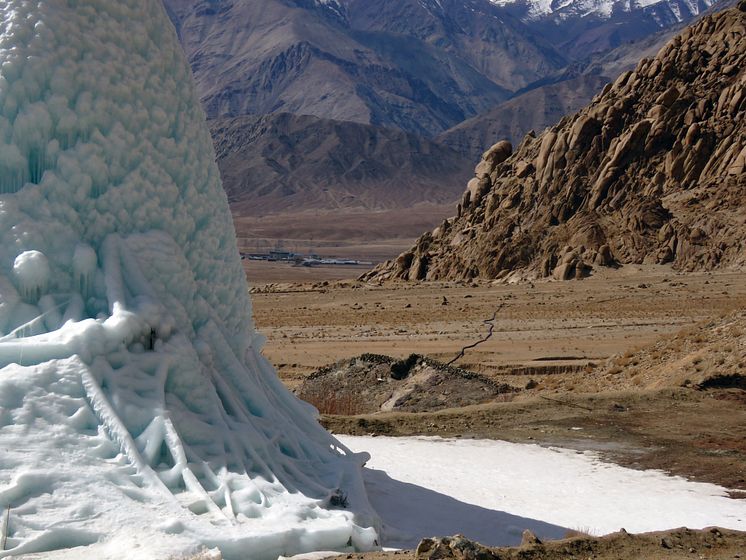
x=491, y=491
x=334, y=6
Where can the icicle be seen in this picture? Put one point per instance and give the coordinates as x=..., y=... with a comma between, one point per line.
x=36, y=167
x=50, y=157
x=13, y=169
x=85, y=265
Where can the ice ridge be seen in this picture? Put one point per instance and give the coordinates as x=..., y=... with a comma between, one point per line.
x=136, y=411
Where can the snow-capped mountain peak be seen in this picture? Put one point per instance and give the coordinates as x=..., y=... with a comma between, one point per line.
x=565, y=9
x=333, y=6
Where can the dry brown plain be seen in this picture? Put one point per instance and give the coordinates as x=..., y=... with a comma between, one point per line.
x=553, y=333
x=565, y=336
x=348, y=233
x=545, y=325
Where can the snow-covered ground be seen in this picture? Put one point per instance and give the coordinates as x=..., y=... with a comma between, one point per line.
x=491, y=491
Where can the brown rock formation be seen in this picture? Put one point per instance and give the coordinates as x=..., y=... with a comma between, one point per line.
x=652, y=171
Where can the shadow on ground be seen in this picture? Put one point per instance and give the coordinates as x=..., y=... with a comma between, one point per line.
x=410, y=513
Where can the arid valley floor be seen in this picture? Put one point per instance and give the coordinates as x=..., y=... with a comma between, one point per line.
x=642, y=364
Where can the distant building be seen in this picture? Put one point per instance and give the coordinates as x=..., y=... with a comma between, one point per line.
x=276, y=255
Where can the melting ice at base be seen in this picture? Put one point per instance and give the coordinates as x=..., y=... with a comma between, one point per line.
x=137, y=416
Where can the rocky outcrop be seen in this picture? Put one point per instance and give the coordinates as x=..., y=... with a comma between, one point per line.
x=457, y=547
x=652, y=171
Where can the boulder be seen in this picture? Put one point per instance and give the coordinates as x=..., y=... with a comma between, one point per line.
x=564, y=271
x=523, y=169
x=528, y=538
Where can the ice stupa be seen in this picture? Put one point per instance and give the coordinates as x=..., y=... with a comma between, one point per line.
x=137, y=416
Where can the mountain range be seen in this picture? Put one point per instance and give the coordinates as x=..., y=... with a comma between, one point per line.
x=417, y=66
x=349, y=102
x=579, y=28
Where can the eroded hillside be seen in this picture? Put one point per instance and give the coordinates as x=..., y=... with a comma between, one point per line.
x=652, y=171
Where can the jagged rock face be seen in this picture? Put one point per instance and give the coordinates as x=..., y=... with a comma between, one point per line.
x=652, y=171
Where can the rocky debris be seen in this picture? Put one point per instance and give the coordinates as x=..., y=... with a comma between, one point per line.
x=706, y=356
x=652, y=171
x=676, y=543
x=372, y=382
x=457, y=547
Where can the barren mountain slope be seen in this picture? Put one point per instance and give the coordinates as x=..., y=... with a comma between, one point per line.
x=283, y=162
x=481, y=35
x=545, y=102
x=417, y=66
x=652, y=171
x=512, y=119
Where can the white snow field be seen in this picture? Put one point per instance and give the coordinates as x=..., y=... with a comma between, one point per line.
x=491, y=491
x=137, y=417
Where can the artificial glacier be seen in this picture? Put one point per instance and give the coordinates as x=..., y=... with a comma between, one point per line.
x=137, y=416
